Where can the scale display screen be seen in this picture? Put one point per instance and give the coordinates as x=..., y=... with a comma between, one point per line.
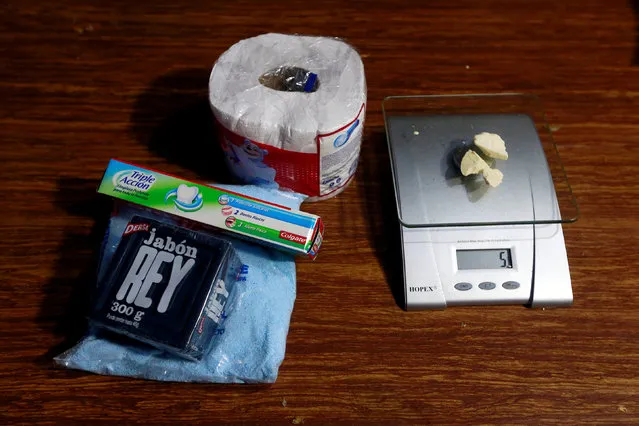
x=484, y=259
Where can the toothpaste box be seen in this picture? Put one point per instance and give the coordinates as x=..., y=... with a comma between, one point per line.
x=257, y=220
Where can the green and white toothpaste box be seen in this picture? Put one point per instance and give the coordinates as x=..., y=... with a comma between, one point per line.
x=257, y=220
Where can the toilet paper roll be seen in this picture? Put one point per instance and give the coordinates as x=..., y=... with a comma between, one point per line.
x=306, y=141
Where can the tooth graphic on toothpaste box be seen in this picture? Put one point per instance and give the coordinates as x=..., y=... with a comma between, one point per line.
x=185, y=198
x=186, y=194
x=266, y=223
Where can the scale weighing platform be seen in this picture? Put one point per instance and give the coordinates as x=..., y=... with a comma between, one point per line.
x=464, y=242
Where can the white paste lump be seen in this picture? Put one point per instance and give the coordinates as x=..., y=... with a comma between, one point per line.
x=472, y=163
x=492, y=145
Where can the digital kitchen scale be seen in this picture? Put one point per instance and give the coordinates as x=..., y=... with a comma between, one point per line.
x=464, y=242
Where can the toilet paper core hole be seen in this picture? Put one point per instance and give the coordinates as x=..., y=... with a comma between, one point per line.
x=290, y=79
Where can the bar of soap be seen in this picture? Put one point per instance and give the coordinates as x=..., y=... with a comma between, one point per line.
x=492, y=145
x=167, y=286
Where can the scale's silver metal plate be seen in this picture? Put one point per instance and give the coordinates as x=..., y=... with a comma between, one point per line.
x=430, y=189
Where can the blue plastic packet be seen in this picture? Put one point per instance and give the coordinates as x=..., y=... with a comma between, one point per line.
x=249, y=343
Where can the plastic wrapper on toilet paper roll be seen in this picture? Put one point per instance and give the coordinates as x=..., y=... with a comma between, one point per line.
x=290, y=112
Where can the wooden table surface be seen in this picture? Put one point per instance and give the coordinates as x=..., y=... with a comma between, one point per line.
x=82, y=83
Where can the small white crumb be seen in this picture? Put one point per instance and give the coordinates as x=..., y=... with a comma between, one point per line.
x=284, y=403
x=297, y=420
x=467, y=67
x=463, y=324
x=555, y=128
x=416, y=133
x=622, y=408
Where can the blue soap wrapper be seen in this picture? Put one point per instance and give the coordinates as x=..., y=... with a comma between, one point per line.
x=250, y=343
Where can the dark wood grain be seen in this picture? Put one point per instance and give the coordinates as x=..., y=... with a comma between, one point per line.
x=81, y=82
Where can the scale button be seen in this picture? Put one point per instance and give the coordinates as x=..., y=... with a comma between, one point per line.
x=487, y=285
x=463, y=286
x=510, y=285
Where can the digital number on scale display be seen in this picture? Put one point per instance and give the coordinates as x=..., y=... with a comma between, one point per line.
x=484, y=259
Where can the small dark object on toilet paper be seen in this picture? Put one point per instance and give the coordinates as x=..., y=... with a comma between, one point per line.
x=290, y=79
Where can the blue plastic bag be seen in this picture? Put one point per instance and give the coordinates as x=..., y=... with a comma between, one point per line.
x=251, y=341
